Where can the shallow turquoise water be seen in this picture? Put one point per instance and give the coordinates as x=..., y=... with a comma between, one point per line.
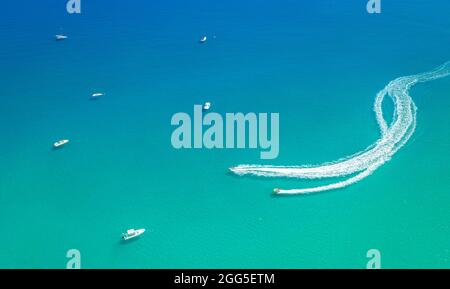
x=319, y=65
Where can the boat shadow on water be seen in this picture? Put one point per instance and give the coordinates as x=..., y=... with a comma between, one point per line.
x=96, y=97
x=123, y=242
x=53, y=148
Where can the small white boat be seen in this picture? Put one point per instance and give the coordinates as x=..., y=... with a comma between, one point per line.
x=97, y=95
x=61, y=37
x=132, y=233
x=207, y=106
x=60, y=143
x=203, y=39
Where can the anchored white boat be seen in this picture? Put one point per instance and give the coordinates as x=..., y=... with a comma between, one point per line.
x=203, y=39
x=97, y=95
x=60, y=143
x=206, y=105
x=132, y=233
x=61, y=37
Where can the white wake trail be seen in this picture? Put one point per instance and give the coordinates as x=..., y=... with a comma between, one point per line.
x=393, y=137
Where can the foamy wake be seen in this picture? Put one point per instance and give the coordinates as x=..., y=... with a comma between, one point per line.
x=364, y=163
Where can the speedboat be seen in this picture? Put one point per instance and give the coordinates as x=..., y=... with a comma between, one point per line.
x=60, y=143
x=132, y=233
x=203, y=39
x=206, y=105
x=61, y=37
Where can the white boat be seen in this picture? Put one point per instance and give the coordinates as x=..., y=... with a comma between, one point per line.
x=60, y=143
x=61, y=37
x=207, y=106
x=203, y=39
x=132, y=233
x=97, y=95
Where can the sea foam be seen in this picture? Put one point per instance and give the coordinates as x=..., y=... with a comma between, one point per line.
x=362, y=164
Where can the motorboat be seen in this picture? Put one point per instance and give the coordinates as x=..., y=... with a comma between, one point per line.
x=60, y=143
x=61, y=37
x=97, y=95
x=132, y=233
x=206, y=105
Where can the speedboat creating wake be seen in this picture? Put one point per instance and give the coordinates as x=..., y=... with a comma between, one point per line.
x=360, y=165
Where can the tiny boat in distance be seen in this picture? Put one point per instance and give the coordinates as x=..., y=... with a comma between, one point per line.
x=97, y=95
x=276, y=191
x=132, y=233
x=207, y=106
x=61, y=37
x=60, y=143
x=203, y=39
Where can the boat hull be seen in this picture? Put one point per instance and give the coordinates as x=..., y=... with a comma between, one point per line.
x=137, y=234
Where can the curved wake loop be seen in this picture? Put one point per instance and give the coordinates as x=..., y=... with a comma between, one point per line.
x=393, y=137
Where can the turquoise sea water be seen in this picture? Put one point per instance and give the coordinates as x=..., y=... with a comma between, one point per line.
x=318, y=64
